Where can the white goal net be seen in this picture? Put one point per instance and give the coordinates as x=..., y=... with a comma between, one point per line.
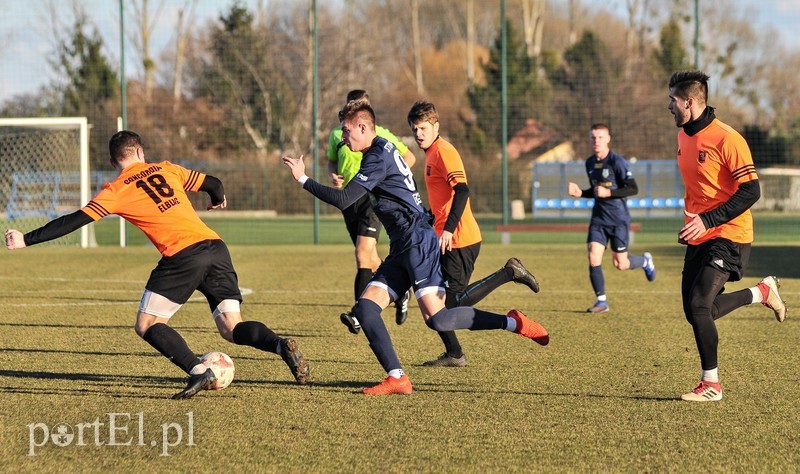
x=44, y=172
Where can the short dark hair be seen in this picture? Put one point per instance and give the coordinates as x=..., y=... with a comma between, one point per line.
x=692, y=84
x=355, y=94
x=601, y=126
x=359, y=109
x=423, y=111
x=122, y=143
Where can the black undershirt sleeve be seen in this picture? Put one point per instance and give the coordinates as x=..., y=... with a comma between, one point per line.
x=742, y=200
x=58, y=227
x=460, y=197
x=629, y=188
x=339, y=198
x=213, y=186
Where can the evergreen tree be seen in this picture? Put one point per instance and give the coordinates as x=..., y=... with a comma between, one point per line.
x=584, y=85
x=89, y=84
x=240, y=78
x=671, y=55
x=526, y=93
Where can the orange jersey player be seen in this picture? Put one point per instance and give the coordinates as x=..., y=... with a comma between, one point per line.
x=152, y=196
x=456, y=227
x=721, y=186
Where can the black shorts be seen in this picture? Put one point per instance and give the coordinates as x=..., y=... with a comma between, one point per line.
x=722, y=254
x=361, y=220
x=205, y=266
x=458, y=265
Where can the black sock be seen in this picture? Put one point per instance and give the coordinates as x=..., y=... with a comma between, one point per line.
x=481, y=288
x=256, y=334
x=451, y=344
x=363, y=276
x=171, y=345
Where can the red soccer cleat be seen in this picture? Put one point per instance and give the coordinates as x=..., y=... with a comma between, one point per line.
x=529, y=328
x=391, y=386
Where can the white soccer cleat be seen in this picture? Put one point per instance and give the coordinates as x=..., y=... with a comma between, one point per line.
x=773, y=299
x=704, y=392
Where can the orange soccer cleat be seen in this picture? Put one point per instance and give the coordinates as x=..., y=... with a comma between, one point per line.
x=529, y=328
x=391, y=386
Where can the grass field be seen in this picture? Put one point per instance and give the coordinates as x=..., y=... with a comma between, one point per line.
x=602, y=397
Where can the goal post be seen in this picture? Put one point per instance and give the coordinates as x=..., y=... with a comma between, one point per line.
x=44, y=171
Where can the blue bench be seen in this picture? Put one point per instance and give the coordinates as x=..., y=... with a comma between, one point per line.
x=633, y=203
x=47, y=193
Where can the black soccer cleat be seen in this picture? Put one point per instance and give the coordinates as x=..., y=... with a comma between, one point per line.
x=349, y=320
x=522, y=275
x=401, y=308
x=291, y=354
x=196, y=383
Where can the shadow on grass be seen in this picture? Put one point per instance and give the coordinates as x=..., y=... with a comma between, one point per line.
x=440, y=389
x=93, y=353
x=108, y=384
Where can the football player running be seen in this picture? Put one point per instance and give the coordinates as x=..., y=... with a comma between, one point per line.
x=413, y=259
x=152, y=196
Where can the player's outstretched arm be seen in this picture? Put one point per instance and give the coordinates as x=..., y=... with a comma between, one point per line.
x=52, y=230
x=14, y=239
x=339, y=198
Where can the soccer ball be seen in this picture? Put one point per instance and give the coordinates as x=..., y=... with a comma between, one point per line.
x=222, y=366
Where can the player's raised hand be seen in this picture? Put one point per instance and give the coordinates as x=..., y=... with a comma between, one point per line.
x=296, y=165
x=14, y=240
x=574, y=190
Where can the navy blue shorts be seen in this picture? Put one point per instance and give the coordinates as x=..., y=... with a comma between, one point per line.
x=617, y=234
x=414, y=265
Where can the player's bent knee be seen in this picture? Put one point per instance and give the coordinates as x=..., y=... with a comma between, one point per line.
x=227, y=315
x=442, y=321
x=157, y=305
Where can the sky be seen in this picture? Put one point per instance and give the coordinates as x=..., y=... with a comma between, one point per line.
x=26, y=26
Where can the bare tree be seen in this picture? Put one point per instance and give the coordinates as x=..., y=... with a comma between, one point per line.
x=533, y=25
x=141, y=40
x=183, y=31
x=470, y=43
x=417, y=46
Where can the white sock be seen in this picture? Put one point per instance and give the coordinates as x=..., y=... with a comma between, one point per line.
x=757, y=296
x=396, y=373
x=710, y=375
x=601, y=298
x=511, y=324
x=198, y=369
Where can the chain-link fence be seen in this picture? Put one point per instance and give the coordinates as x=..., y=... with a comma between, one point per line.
x=229, y=87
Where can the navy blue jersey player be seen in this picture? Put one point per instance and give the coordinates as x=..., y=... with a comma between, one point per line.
x=413, y=259
x=611, y=182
